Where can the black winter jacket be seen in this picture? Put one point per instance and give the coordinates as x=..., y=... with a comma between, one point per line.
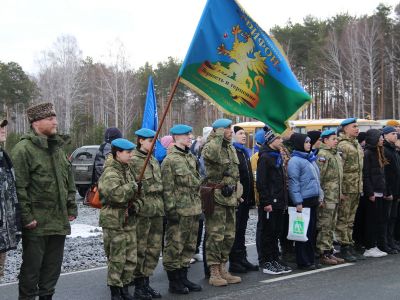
x=246, y=177
x=271, y=180
x=392, y=170
x=373, y=173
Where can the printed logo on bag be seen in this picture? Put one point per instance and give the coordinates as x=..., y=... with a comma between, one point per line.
x=298, y=227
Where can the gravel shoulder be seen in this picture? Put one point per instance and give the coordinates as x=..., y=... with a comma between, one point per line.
x=85, y=253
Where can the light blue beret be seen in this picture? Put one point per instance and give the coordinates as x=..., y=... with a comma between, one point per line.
x=260, y=136
x=123, y=144
x=180, y=129
x=327, y=133
x=348, y=121
x=145, y=133
x=221, y=123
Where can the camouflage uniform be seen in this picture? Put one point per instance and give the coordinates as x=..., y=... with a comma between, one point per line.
x=331, y=174
x=117, y=187
x=150, y=217
x=352, y=157
x=46, y=192
x=222, y=167
x=181, y=181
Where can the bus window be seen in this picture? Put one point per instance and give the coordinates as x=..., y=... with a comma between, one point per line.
x=329, y=128
x=300, y=129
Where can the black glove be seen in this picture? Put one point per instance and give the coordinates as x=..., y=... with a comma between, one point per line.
x=227, y=191
x=131, y=210
x=173, y=219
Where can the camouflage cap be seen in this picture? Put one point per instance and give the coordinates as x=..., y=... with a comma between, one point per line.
x=40, y=111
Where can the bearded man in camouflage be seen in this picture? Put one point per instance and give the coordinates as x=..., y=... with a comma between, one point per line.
x=222, y=172
x=181, y=181
x=46, y=192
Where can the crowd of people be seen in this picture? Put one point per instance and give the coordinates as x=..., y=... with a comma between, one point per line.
x=349, y=182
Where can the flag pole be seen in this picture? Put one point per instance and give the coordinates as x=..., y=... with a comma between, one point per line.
x=171, y=95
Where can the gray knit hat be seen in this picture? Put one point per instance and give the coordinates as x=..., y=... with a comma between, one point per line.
x=40, y=111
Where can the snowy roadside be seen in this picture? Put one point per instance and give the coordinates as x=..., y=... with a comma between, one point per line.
x=84, y=247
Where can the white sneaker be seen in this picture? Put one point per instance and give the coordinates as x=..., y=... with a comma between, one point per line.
x=379, y=252
x=373, y=252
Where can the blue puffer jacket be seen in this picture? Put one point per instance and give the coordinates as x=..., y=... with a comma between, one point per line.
x=304, y=179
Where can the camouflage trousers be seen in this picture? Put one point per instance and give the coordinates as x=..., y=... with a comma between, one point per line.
x=120, y=248
x=220, y=234
x=345, y=219
x=326, y=224
x=150, y=231
x=181, y=240
x=2, y=263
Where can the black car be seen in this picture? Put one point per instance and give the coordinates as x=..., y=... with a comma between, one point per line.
x=82, y=160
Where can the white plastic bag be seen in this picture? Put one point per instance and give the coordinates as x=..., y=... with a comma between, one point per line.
x=298, y=224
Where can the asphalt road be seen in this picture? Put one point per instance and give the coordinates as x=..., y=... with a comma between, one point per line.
x=370, y=279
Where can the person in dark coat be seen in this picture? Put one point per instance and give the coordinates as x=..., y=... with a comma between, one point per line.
x=392, y=178
x=375, y=195
x=10, y=215
x=111, y=134
x=273, y=195
x=238, y=262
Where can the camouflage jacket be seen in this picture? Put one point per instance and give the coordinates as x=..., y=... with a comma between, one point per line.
x=222, y=166
x=45, y=184
x=152, y=187
x=117, y=188
x=331, y=173
x=10, y=214
x=181, y=181
x=352, y=157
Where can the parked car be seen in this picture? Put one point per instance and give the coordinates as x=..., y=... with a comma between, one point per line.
x=82, y=160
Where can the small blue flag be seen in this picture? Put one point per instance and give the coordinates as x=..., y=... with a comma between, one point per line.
x=150, y=119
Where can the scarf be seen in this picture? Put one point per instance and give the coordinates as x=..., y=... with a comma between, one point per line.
x=242, y=148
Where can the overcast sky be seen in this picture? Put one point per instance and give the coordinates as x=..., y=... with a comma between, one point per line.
x=151, y=30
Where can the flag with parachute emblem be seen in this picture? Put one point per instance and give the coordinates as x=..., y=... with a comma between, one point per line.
x=235, y=64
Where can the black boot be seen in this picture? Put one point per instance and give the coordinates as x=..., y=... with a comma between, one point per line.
x=346, y=254
x=115, y=293
x=46, y=297
x=125, y=293
x=235, y=262
x=153, y=293
x=186, y=282
x=245, y=263
x=175, y=284
x=140, y=289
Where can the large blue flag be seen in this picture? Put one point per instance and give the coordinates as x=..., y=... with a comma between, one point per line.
x=150, y=119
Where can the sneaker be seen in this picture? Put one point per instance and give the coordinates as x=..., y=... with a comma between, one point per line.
x=374, y=252
x=192, y=261
x=285, y=268
x=380, y=252
x=272, y=268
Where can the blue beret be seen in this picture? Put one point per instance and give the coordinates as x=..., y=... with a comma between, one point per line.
x=145, y=133
x=388, y=129
x=348, y=121
x=327, y=133
x=180, y=129
x=260, y=137
x=123, y=144
x=221, y=123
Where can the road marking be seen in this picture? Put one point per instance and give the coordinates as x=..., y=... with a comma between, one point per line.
x=306, y=273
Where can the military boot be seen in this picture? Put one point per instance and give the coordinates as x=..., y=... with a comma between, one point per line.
x=215, y=277
x=140, y=289
x=228, y=276
x=46, y=297
x=358, y=252
x=175, y=284
x=325, y=259
x=115, y=293
x=153, y=293
x=125, y=293
x=345, y=253
x=186, y=282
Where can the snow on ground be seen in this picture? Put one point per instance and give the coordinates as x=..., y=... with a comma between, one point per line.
x=84, y=231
